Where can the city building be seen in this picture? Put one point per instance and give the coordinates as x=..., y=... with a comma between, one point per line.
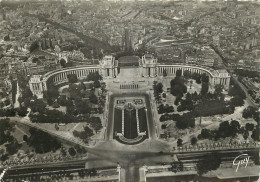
x=109, y=68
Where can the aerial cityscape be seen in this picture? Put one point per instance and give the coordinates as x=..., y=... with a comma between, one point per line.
x=129, y=90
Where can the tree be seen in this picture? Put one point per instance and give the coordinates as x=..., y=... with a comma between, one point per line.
x=63, y=63
x=82, y=106
x=176, y=166
x=255, y=135
x=204, y=88
x=235, y=127
x=159, y=87
x=74, y=91
x=22, y=111
x=209, y=162
x=163, y=126
x=25, y=138
x=93, y=76
x=164, y=73
x=185, y=121
x=179, y=142
x=96, y=84
x=84, y=135
x=246, y=134
x=251, y=112
x=72, y=78
x=204, y=78
x=7, y=38
x=178, y=87
x=187, y=74
x=5, y=131
x=178, y=73
x=27, y=93
x=205, y=133
x=4, y=157
x=42, y=141
x=55, y=105
x=218, y=89
x=38, y=105
x=34, y=46
x=224, y=129
x=72, y=151
x=93, y=99
x=95, y=123
x=80, y=150
x=237, y=101
x=164, y=95
x=12, y=148
x=177, y=100
x=193, y=140
x=250, y=126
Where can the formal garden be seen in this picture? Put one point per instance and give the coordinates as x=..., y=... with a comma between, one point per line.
x=78, y=112
x=192, y=116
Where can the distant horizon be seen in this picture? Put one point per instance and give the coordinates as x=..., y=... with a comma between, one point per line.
x=6, y=1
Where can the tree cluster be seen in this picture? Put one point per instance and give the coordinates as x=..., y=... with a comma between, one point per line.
x=182, y=122
x=13, y=147
x=178, y=88
x=247, y=73
x=52, y=92
x=9, y=112
x=238, y=96
x=186, y=104
x=38, y=105
x=84, y=135
x=205, y=84
x=208, y=162
x=251, y=112
x=72, y=78
x=227, y=129
x=176, y=166
x=212, y=107
x=95, y=123
x=94, y=76
x=52, y=116
x=165, y=109
x=196, y=76
x=42, y=142
x=158, y=89
x=77, y=91
x=34, y=46
x=5, y=131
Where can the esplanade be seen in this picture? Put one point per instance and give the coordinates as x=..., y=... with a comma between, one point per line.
x=110, y=68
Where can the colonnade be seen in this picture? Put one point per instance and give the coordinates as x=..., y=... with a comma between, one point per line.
x=80, y=73
x=129, y=86
x=109, y=72
x=214, y=76
x=172, y=69
x=148, y=71
x=38, y=82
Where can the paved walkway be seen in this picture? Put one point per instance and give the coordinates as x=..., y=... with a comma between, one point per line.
x=128, y=74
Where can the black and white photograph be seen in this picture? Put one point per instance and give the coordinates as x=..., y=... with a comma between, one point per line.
x=129, y=90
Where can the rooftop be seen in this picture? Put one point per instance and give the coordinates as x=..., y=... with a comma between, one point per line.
x=128, y=61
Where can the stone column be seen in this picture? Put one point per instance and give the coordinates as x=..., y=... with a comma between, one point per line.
x=44, y=86
x=151, y=72
x=227, y=83
x=116, y=71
